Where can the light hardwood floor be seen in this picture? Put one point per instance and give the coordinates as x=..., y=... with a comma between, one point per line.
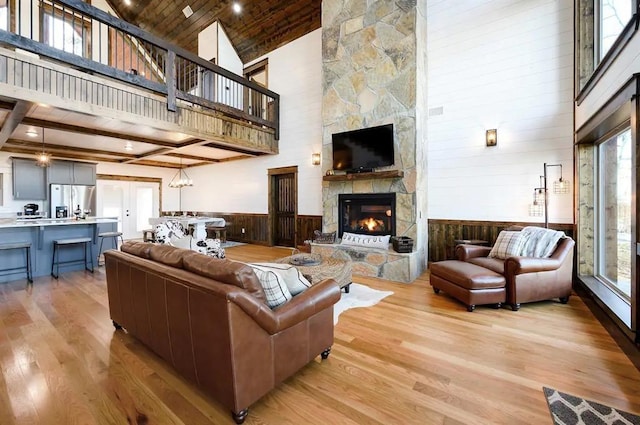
x=415, y=358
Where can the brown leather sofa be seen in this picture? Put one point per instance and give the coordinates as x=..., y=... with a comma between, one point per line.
x=207, y=317
x=528, y=279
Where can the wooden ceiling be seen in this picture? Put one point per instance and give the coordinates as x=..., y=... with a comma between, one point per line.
x=263, y=25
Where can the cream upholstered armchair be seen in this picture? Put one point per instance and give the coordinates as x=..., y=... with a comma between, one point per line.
x=528, y=278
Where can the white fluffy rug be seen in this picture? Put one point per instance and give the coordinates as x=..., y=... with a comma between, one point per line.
x=358, y=296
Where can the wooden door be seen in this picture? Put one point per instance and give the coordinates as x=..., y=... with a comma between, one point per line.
x=283, y=206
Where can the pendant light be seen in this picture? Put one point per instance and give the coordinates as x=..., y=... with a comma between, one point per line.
x=181, y=179
x=43, y=159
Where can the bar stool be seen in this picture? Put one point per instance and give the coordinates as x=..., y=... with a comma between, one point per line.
x=19, y=245
x=149, y=235
x=114, y=235
x=55, y=260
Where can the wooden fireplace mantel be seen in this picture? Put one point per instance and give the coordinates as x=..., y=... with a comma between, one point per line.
x=364, y=176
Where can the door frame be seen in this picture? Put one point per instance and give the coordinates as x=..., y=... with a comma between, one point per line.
x=271, y=222
x=137, y=179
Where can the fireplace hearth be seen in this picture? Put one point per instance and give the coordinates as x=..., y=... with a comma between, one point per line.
x=367, y=214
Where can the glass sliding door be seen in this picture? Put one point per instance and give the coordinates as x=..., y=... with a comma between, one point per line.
x=614, y=253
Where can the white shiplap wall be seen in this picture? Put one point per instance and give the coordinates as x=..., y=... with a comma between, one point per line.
x=507, y=65
x=295, y=72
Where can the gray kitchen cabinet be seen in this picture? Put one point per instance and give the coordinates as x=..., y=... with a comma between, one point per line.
x=29, y=180
x=84, y=173
x=68, y=172
x=61, y=172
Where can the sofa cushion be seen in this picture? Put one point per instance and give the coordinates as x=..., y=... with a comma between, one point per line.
x=274, y=285
x=493, y=264
x=169, y=255
x=293, y=278
x=226, y=271
x=507, y=245
x=139, y=249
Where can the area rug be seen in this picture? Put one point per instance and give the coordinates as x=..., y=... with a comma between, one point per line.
x=569, y=410
x=358, y=296
x=229, y=244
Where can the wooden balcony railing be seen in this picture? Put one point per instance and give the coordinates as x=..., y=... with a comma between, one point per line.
x=89, y=39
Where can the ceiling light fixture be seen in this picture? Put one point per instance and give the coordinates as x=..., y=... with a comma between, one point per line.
x=181, y=179
x=43, y=159
x=237, y=7
x=187, y=11
x=127, y=2
x=32, y=133
x=128, y=147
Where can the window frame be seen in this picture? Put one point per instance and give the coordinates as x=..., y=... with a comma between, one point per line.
x=599, y=230
x=66, y=15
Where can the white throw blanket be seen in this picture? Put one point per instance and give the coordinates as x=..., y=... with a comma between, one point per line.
x=540, y=242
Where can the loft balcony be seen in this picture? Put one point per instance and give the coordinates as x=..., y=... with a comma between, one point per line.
x=69, y=67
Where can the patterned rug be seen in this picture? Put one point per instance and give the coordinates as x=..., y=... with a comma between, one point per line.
x=569, y=410
x=229, y=244
x=358, y=296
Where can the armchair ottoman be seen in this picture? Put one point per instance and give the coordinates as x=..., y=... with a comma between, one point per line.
x=468, y=283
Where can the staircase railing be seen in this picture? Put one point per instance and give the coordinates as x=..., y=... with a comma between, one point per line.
x=87, y=38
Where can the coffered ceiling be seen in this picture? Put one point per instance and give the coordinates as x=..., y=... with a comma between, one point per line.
x=260, y=27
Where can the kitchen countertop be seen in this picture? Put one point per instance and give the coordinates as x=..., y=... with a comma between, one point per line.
x=11, y=222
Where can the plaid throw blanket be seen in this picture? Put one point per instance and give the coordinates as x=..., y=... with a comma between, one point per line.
x=540, y=242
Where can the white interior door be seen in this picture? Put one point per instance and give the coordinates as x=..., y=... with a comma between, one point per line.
x=134, y=203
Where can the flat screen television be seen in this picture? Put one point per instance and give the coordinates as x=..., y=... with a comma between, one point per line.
x=364, y=149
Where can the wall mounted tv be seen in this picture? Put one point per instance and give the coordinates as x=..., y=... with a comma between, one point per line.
x=363, y=150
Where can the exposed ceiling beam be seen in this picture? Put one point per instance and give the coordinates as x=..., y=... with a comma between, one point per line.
x=165, y=151
x=95, y=132
x=85, y=157
x=16, y=116
x=193, y=157
x=51, y=147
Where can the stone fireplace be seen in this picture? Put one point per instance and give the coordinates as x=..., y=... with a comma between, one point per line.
x=374, y=63
x=367, y=214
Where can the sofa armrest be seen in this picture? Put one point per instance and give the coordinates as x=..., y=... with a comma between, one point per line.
x=315, y=299
x=521, y=265
x=465, y=252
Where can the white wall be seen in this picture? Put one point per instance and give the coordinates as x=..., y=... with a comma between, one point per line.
x=227, y=56
x=242, y=186
x=506, y=65
x=170, y=196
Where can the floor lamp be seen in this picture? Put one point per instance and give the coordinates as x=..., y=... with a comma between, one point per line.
x=541, y=194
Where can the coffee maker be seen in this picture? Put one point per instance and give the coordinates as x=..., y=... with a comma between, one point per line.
x=31, y=209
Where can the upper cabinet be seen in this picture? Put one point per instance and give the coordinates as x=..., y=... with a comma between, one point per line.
x=29, y=180
x=67, y=172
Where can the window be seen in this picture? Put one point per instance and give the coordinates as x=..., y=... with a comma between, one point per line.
x=4, y=15
x=614, y=254
x=66, y=30
x=612, y=17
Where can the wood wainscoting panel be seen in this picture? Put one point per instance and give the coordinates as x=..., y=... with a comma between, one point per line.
x=256, y=226
x=443, y=233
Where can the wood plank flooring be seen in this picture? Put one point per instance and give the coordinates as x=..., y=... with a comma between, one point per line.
x=415, y=358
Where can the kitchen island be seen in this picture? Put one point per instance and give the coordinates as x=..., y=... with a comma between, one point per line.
x=41, y=233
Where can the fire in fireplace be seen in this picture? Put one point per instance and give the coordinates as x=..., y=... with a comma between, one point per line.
x=367, y=213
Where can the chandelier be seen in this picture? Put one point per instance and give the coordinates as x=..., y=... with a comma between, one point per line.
x=181, y=179
x=43, y=159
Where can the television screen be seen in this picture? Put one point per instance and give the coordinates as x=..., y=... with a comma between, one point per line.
x=364, y=149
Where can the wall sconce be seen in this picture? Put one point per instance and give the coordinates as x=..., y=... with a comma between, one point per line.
x=492, y=137
x=315, y=158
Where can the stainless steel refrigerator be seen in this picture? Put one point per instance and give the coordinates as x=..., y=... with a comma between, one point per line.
x=66, y=198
